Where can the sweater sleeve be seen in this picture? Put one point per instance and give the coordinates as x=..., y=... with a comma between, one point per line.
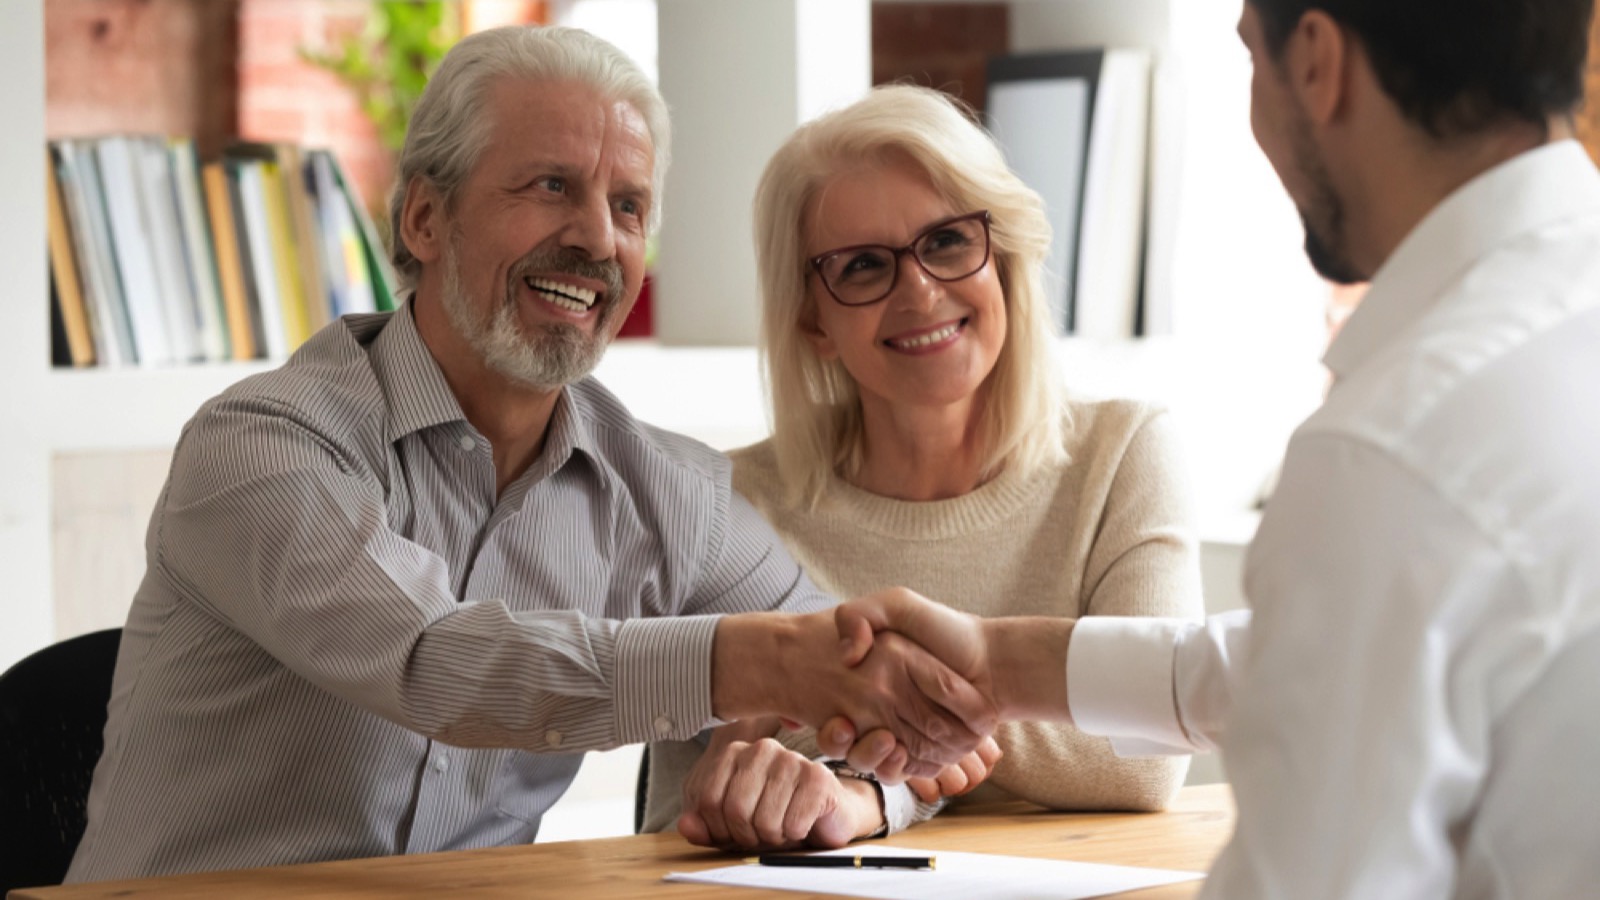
x=1144, y=562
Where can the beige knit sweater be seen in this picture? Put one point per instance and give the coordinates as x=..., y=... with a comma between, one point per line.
x=1108, y=532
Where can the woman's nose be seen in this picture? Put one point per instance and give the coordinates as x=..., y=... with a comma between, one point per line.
x=915, y=288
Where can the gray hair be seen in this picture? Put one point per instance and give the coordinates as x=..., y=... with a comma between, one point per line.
x=450, y=128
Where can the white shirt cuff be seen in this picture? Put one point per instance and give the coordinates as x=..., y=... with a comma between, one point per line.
x=1119, y=682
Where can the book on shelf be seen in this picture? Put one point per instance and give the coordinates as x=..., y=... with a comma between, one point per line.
x=157, y=258
x=345, y=241
x=298, y=197
x=133, y=256
x=243, y=335
x=371, y=259
x=70, y=306
x=97, y=275
x=1075, y=127
x=159, y=202
x=60, y=347
x=248, y=180
x=199, y=253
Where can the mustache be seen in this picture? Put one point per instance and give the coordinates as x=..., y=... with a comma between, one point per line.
x=572, y=262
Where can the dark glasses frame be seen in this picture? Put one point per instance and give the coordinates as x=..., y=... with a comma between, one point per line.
x=820, y=259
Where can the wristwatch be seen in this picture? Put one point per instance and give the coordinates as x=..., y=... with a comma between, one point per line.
x=842, y=769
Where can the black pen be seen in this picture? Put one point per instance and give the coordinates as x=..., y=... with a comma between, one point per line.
x=843, y=862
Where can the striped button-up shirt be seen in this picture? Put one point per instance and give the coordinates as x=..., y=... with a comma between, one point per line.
x=346, y=644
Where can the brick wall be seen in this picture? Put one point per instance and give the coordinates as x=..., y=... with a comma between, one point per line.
x=284, y=98
x=148, y=66
x=941, y=45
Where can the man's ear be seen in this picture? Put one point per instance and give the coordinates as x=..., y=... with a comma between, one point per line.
x=1317, y=61
x=422, y=221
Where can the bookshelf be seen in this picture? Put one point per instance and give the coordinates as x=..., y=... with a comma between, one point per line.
x=47, y=411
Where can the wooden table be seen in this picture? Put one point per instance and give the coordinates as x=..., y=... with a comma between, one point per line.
x=1187, y=836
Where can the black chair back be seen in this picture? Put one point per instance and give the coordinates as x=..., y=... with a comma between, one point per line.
x=641, y=790
x=52, y=717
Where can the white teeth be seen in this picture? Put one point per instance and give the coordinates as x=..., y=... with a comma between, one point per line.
x=567, y=296
x=932, y=337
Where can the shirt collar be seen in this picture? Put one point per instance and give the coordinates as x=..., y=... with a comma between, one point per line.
x=568, y=435
x=414, y=388
x=419, y=397
x=1542, y=186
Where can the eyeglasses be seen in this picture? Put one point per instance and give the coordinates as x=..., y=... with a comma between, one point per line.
x=948, y=250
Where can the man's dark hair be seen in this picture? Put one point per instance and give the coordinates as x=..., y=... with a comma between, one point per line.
x=1457, y=66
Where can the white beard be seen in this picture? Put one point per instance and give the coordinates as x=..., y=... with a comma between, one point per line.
x=557, y=355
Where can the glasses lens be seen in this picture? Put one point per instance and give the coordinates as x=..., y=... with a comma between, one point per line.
x=954, y=250
x=948, y=251
x=861, y=275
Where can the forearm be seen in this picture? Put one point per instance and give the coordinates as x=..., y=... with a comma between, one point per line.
x=1027, y=659
x=751, y=659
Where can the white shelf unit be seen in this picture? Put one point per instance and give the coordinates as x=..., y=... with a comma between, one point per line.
x=47, y=411
x=100, y=409
x=24, y=339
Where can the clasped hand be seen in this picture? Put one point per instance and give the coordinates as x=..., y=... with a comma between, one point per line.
x=864, y=624
x=925, y=705
x=798, y=667
x=751, y=792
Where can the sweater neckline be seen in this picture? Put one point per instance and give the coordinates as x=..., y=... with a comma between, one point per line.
x=927, y=520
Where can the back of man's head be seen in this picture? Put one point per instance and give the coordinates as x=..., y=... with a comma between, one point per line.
x=450, y=126
x=1455, y=67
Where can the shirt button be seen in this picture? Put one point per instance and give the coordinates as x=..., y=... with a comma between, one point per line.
x=663, y=726
x=441, y=764
x=553, y=738
x=466, y=442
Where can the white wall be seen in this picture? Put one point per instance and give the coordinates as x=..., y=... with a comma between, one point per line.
x=25, y=610
x=1241, y=367
x=739, y=77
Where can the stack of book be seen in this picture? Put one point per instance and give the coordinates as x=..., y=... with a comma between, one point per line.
x=158, y=259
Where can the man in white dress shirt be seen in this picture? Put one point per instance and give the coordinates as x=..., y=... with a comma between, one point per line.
x=1410, y=714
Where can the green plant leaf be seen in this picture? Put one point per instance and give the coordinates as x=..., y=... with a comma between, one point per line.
x=389, y=64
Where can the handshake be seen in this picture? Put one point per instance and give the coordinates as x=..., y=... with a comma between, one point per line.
x=895, y=685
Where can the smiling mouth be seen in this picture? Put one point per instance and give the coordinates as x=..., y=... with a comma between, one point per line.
x=937, y=336
x=564, y=296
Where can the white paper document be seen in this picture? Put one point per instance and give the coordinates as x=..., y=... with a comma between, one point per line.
x=959, y=876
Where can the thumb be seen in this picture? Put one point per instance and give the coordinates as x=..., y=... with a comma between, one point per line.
x=857, y=620
x=836, y=737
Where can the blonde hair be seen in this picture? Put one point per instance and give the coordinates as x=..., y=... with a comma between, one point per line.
x=450, y=126
x=817, y=427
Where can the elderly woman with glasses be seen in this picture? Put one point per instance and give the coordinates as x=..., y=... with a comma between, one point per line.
x=921, y=438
